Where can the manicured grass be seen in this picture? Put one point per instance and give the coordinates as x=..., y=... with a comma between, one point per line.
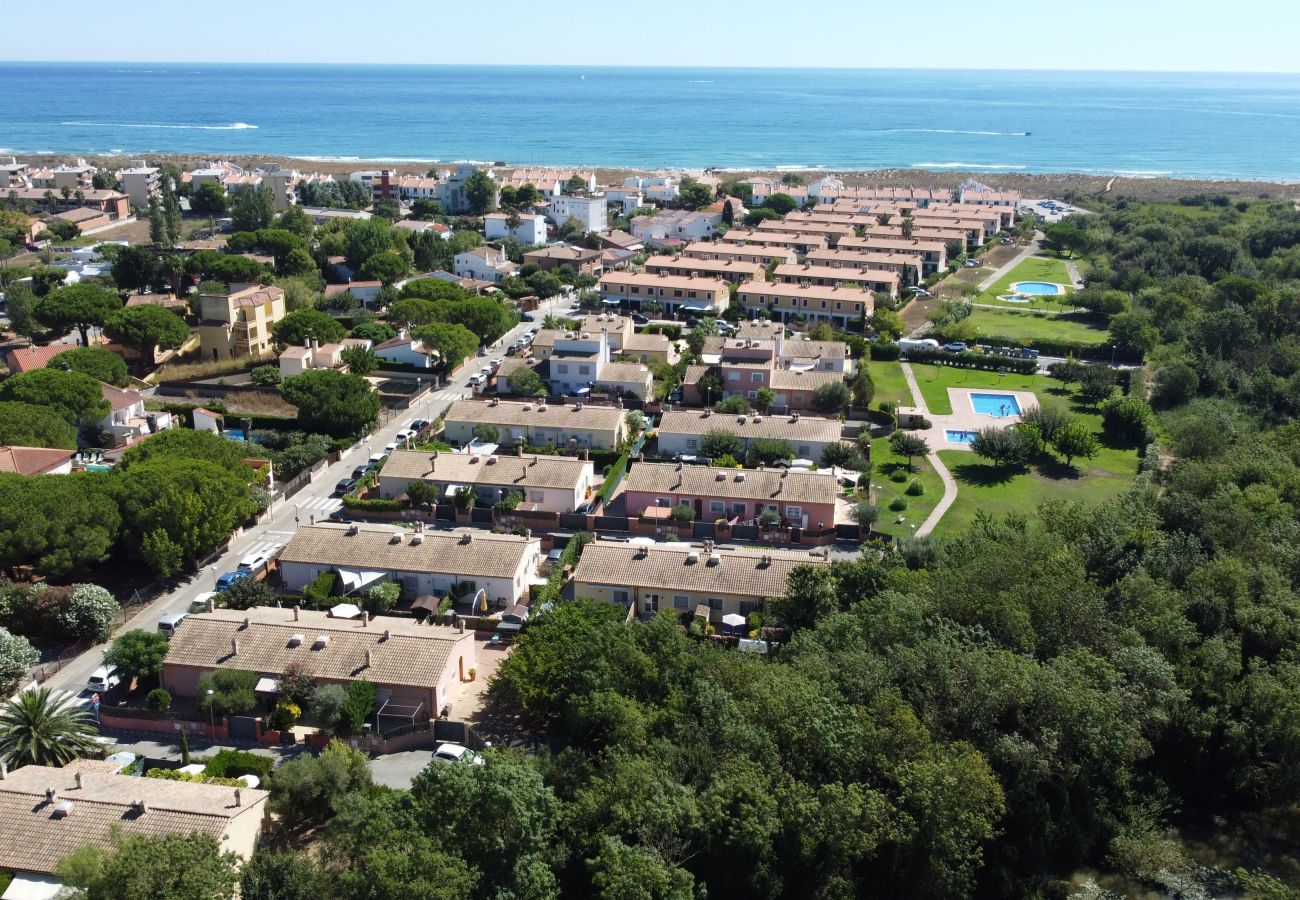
x=891, y=386
x=1024, y=326
x=1036, y=268
x=934, y=382
x=884, y=463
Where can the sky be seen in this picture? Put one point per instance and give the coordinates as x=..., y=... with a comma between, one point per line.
x=1126, y=35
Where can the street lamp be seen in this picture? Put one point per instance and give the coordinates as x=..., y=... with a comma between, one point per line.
x=212, y=721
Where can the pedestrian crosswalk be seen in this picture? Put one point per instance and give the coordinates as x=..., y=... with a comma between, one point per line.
x=447, y=395
x=266, y=545
x=317, y=505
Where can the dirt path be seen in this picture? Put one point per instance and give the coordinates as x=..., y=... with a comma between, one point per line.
x=949, y=483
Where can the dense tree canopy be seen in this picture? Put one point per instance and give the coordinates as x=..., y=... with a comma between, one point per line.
x=308, y=324
x=80, y=306
x=29, y=425
x=98, y=363
x=335, y=403
x=145, y=327
x=74, y=396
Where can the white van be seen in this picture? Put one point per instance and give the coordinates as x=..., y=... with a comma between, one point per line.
x=168, y=624
x=103, y=679
x=906, y=344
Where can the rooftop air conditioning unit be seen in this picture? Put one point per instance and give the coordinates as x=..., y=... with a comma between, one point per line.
x=322, y=641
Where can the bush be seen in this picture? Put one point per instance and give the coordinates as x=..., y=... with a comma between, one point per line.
x=321, y=589
x=327, y=702
x=985, y=362
x=769, y=517
x=265, y=375
x=296, y=685
x=158, y=700
x=246, y=594
x=734, y=406
x=682, y=514
x=1127, y=419
x=232, y=692
x=234, y=763
x=845, y=456
x=359, y=706
x=898, y=504
x=915, y=489
x=864, y=512
x=88, y=613
x=380, y=598
x=884, y=351
x=284, y=716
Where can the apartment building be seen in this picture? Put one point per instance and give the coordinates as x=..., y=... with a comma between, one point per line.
x=842, y=307
x=239, y=323
x=673, y=293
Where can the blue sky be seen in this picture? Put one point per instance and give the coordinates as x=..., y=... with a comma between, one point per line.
x=1161, y=35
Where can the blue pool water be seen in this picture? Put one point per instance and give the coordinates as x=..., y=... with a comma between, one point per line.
x=960, y=437
x=1037, y=288
x=999, y=405
x=233, y=434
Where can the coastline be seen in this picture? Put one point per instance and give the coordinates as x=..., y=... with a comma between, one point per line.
x=1030, y=185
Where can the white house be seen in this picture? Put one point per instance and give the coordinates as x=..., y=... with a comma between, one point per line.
x=432, y=562
x=530, y=230
x=661, y=189
x=127, y=420
x=627, y=198
x=592, y=212
x=484, y=264
x=315, y=355
x=675, y=225
x=582, y=359
x=404, y=349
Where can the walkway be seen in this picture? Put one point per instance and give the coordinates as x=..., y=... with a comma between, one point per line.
x=1030, y=249
x=949, y=484
x=1076, y=280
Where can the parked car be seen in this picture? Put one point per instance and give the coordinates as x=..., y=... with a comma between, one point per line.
x=482, y=351
x=640, y=319
x=457, y=753
x=200, y=603
x=956, y=347
x=346, y=485
x=167, y=625
x=527, y=317
x=475, y=380
x=103, y=679
x=496, y=362
x=254, y=563
x=390, y=447
x=972, y=263
x=230, y=579
x=1028, y=353
x=358, y=472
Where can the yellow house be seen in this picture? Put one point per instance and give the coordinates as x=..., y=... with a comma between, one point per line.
x=239, y=324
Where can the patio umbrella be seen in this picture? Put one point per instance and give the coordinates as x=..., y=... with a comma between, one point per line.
x=345, y=611
x=733, y=620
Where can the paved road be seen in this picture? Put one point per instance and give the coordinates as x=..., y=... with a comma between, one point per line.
x=313, y=503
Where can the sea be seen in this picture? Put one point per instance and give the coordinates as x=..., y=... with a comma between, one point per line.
x=1174, y=125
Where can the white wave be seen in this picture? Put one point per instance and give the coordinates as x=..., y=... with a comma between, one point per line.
x=710, y=81
x=964, y=165
x=1143, y=173
x=953, y=131
x=235, y=126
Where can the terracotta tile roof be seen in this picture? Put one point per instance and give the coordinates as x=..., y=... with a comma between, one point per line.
x=782, y=427
x=695, y=264
x=37, y=838
x=623, y=373
x=811, y=291
x=647, y=279
x=413, y=655
x=32, y=460
x=792, y=380
x=118, y=398
x=566, y=254
x=565, y=415
x=784, y=485
x=25, y=359
x=448, y=552
x=647, y=342
x=531, y=470
x=842, y=273
x=755, y=572
x=256, y=296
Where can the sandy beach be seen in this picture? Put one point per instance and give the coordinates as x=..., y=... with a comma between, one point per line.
x=1058, y=185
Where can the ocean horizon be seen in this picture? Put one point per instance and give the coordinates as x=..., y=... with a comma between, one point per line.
x=1240, y=126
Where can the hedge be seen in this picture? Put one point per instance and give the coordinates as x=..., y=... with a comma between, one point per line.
x=1077, y=349
x=674, y=332
x=550, y=592
x=614, y=476
x=321, y=587
x=884, y=351
x=361, y=504
x=233, y=763
x=987, y=362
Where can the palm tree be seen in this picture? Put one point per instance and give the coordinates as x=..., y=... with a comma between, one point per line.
x=907, y=224
x=44, y=728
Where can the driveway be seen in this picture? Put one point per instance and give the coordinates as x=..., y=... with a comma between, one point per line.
x=398, y=770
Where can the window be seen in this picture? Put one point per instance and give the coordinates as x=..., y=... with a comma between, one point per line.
x=803, y=451
x=738, y=509
x=621, y=596
x=793, y=512
x=733, y=376
x=684, y=502
x=715, y=603
x=756, y=377
x=636, y=290
x=747, y=607
x=681, y=601
x=584, y=370
x=536, y=496
x=564, y=368
x=663, y=501
x=692, y=444
x=717, y=506
x=752, y=395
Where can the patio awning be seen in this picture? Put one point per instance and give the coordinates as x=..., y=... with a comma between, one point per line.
x=609, y=302
x=345, y=610
x=697, y=306
x=267, y=685
x=426, y=603
x=355, y=579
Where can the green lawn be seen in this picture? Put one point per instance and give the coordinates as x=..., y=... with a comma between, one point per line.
x=984, y=486
x=890, y=384
x=1036, y=268
x=934, y=382
x=1025, y=326
x=884, y=463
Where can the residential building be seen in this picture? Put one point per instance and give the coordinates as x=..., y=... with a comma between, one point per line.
x=831, y=231
x=530, y=230
x=620, y=240
x=800, y=243
x=415, y=668
x=591, y=212
x=113, y=204
x=539, y=424
x=680, y=430
x=933, y=254
x=366, y=291
x=580, y=259
x=405, y=350
x=86, y=218
x=728, y=270
x=451, y=189
x=672, y=292
x=684, y=577
x=13, y=174
x=25, y=359
x=879, y=281
x=582, y=360
x=280, y=182
x=49, y=813
x=73, y=177
x=840, y=306
x=627, y=199
x=35, y=460
x=417, y=226
x=416, y=187
x=747, y=365
x=675, y=225
x=128, y=421
x=550, y=182
x=756, y=254
x=801, y=498
x=788, y=353
x=239, y=323
x=320, y=215
x=423, y=562
x=141, y=183
x=907, y=266
x=551, y=483
x=484, y=264
x=315, y=355
x=623, y=339
x=660, y=189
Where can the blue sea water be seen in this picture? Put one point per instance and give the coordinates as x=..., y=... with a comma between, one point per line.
x=1158, y=124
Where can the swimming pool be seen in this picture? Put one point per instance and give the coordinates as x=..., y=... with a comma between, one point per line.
x=1038, y=288
x=961, y=437
x=997, y=405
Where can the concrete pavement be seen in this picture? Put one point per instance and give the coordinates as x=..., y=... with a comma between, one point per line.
x=949, y=483
x=312, y=503
x=1030, y=249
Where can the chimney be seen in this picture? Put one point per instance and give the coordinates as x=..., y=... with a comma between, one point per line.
x=234, y=647
x=245, y=625
x=296, y=609
x=239, y=797
x=365, y=620
x=50, y=795
x=4, y=771
x=369, y=658
x=79, y=781
x=387, y=634
x=211, y=604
